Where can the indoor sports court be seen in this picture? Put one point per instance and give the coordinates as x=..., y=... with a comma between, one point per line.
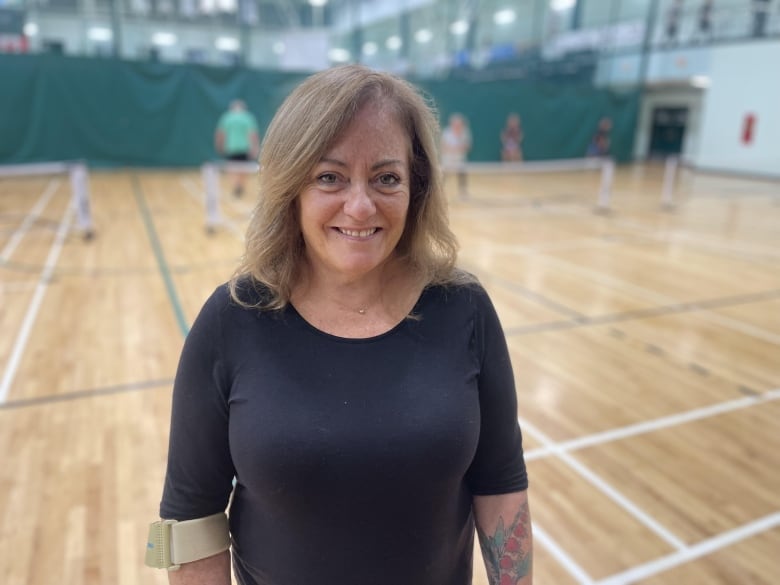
x=638, y=287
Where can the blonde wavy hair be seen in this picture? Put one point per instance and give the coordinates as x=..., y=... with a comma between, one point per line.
x=309, y=121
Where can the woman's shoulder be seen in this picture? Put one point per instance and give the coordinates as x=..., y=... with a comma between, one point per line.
x=246, y=291
x=243, y=293
x=462, y=288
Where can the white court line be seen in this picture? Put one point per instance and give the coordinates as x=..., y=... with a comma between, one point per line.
x=559, y=245
x=34, y=213
x=653, y=425
x=693, y=552
x=35, y=303
x=190, y=186
x=604, y=487
x=654, y=297
x=15, y=287
x=561, y=556
x=575, y=244
x=509, y=208
x=745, y=248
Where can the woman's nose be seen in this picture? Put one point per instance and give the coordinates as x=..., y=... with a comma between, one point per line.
x=359, y=204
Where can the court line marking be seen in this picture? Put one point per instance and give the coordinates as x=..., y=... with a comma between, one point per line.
x=694, y=552
x=495, y=208
x=523, y=291
x=741, y=250
x=569, y=564
x=33, y=214
x=652, y=296
x=738, y=248
x=162, y=264
x=640, y=235
x=113, y=271
x=87, y=393
x=577, y=244
x=650, y=426
x=32, y=309
x=604, y=487
x=537, y=298
x=609, y=318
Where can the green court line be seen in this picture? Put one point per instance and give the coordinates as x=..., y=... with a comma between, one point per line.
x=161, y=263
x=88, y=393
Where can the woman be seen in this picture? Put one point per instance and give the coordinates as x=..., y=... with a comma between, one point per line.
x=600, y=144
x=512, y=139
x=455, y=147
x=354, y=382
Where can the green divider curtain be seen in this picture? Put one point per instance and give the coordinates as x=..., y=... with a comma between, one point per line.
x=558, y=118
x=112, y=112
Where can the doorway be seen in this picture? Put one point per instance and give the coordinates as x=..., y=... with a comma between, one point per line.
x=668, y=131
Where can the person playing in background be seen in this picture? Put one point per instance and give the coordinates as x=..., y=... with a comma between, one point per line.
x=512, y=139
x=601, y=143
x=455, y=146
x=705, y=19
x=355, y=383
x=673, y=14
x=761, y=11
x=237, y=139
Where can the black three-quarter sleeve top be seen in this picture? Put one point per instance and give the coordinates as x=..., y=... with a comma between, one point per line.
x=355, y=460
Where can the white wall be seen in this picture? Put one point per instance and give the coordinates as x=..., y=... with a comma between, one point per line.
x=679, y=64
x=745, y=80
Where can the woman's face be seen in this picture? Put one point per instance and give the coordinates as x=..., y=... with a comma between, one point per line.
x=353, y=209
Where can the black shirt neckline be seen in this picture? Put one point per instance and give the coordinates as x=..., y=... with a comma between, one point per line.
x=293, y=312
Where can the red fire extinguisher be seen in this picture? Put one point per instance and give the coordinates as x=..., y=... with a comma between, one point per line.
x=748, y=128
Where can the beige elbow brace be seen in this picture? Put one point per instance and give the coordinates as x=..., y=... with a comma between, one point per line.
x=172, y=543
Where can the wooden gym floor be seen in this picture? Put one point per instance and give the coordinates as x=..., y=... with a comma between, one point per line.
x=646, y=346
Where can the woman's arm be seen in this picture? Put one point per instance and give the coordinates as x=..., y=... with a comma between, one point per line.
x=504, y=530
x=214, y=570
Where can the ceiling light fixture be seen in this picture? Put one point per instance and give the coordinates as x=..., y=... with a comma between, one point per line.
x=163, y=39
x=562, y=5
x=506, y=16
x=338, y=55
x=459, y=27
x=423, y=35
x=229, y=44
x=100, y=34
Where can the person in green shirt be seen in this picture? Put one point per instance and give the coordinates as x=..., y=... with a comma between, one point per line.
x=237, y=139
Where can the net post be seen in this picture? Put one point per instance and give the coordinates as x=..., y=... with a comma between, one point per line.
x=670, y=175
x=605, y=189
x=211, y=190
x=79, y=185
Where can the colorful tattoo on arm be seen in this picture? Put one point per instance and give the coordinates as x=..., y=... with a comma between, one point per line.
x=507, y=553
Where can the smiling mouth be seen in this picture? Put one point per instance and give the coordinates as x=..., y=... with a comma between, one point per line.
x=358, y=233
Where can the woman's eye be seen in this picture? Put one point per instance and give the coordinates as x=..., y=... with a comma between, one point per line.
x=328, y=178
x=389, y=179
